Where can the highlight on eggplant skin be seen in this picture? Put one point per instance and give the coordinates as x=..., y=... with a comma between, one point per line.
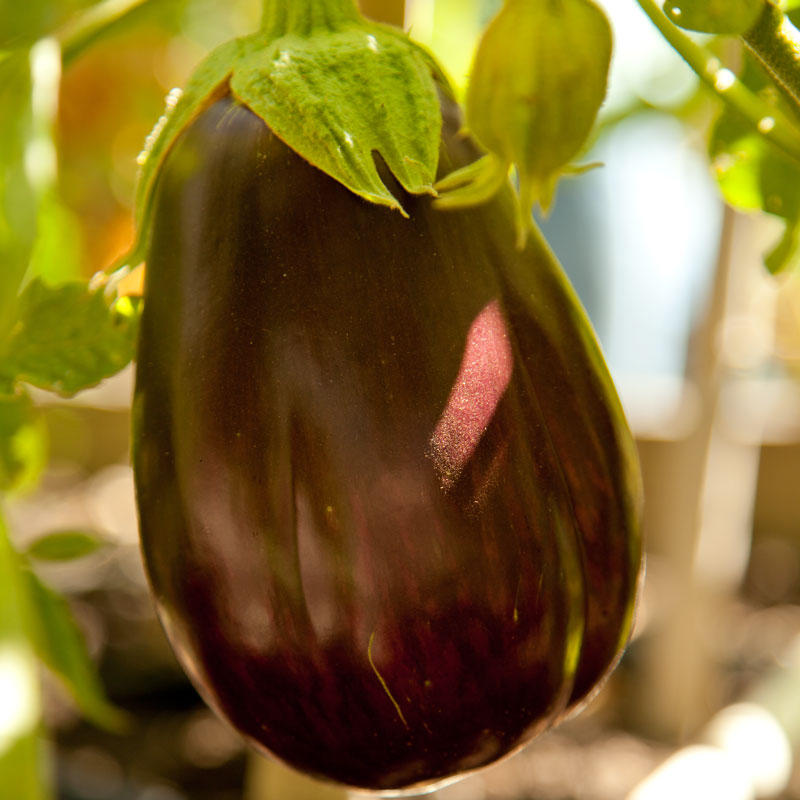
x=389, y=504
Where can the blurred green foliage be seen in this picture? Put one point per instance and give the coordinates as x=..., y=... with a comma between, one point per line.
x=24, y=771
x=21, y=24
x=17, y=198
x=22, y=443
x=65, y=545
x=752, y=174
x=59, y=333
x=59, y=644
x=81, y=83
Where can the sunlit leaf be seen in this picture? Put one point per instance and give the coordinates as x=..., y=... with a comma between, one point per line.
x=68, y=337
x=24, y=773
x=23, y=443
x=62, y=648
x=753, y=174
x=714, y=16
x=786, y=251
x=23, y=770
x=792, y=10
x=29, y=89
x=737, y=154
x=65, y=545
x=56, y=253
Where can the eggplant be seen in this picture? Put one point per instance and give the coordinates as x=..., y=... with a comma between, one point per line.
x=389, y=503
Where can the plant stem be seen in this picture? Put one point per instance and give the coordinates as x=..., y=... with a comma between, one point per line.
x=303, y=16
x=765, y=118
x=391, y=12
x=92, y=24
x=775, y=43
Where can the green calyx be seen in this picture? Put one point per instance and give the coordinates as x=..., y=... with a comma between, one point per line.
x=333, y=86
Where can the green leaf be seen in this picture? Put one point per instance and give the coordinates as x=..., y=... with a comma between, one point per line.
x=787, y=249
x=61, y=647
x=28, y=171
x=68, y=337
x=56, y=253
x=23, y=443
x=753, y=174
x=18, y=210
x=714, y=16
x=207, y=83
x=23, y=772
x=340, y=96
x=65, y=545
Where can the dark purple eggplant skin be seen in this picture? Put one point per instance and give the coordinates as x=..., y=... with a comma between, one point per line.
x=389, y=504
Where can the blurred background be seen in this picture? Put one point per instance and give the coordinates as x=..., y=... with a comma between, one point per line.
x=704, y=346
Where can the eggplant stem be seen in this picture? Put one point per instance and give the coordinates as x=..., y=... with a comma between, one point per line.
x=302, y=17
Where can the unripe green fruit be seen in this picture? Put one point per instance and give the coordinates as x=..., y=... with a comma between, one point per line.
x=537, y=82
